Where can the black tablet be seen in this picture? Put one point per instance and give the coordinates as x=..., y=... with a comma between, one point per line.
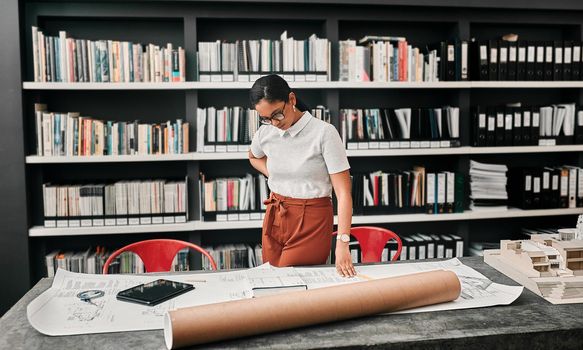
x=154, y=292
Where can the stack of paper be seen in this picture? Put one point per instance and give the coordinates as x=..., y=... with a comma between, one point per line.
x=488, y=185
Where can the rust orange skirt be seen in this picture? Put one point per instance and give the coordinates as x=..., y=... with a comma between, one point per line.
x=297, y=231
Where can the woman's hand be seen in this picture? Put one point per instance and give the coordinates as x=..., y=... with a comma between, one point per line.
x=259, y=163
x=344, y=265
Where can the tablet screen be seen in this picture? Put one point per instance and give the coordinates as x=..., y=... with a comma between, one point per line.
x=154, y=292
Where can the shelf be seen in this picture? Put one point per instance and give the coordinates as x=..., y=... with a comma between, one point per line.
x=195, y=156
x=39, y=231
x=192, y=156
x=405, y=218
x=108, y=159
x=526, y=84
x=197, y=85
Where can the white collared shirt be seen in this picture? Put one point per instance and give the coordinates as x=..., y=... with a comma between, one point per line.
x=301, y=158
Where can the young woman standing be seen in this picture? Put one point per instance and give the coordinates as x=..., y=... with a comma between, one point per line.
x=303, y=159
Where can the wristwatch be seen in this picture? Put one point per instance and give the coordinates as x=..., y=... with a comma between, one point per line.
x=344, y=237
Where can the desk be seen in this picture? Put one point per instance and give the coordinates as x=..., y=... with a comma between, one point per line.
x=530, y=322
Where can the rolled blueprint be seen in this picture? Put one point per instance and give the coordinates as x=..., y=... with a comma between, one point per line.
x=240, y=318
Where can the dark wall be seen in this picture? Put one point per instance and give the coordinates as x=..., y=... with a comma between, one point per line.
x=14, y=267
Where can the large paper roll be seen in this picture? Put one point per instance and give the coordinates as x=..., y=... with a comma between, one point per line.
x=233, y=319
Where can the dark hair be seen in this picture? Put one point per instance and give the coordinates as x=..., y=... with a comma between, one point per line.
x=273, y=88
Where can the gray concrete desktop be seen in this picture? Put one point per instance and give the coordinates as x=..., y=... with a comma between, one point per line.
x=530, y=322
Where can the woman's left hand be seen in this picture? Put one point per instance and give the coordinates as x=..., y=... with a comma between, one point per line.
x=344, y=265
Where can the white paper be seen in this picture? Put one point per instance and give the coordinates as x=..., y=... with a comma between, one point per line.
x=58, y=311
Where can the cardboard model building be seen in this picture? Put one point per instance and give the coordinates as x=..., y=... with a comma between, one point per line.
x=550, y=265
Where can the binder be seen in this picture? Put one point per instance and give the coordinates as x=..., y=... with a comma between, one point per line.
x=539, y=65
x=555, y=187
x=535, y=130
x=502, y=60
x=480, y=127
x=405, y=242
x=449, y=246
x=499, y=127
x=410, y=247
x=558, y=64
x=520, y=188
x=491, y=127
x=576, y=62
x=429, y=244
x=421, y=247
x=355, y=253
x=439, y=246
x=459, y=194
x=579, y=127
x=517, y=128
x=536, y=190
x=526, y=127
x=508, y=126
x=548, y=66
x=441, y=192
x=563, y=187
x=483, y=61
x=450, y=191
x=459, y=245
x=451, y=61
x=464, y=61
x=567, y=60
x=493, y=60
x=546, y=188
x=527, y=193
x=521, y=66
x=430, y=201
x=530, y=60
x=579, y=187
x=573, y=181
x=512, y=60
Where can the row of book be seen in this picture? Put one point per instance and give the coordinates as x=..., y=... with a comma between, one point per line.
x=233, y=198
x=516, y=125
x=375, y=58
x=417, y=247
x=527, y=60
x=547, y=187
x=121, y=203
x=231, y=129
x=488, y=186
x=400, y=128
x=247, y=60
x=69, y=134
x=388, y=58
x=92, y=261
x=65, y=59
x=233, y=256
x=417, y=190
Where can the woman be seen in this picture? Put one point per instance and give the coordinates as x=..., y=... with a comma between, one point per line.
x=303, y=158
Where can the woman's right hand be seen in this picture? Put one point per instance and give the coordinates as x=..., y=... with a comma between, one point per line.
x=344, y=265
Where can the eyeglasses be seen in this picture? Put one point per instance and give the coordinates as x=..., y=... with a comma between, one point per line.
x=278, y=116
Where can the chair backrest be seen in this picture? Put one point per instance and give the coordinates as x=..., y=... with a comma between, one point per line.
x=372, y=241
x=157, y=254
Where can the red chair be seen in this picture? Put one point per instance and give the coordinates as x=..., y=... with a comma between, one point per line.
x=157, y=254
x=372, y=241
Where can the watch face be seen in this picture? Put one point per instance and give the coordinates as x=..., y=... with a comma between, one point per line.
x=345, y=238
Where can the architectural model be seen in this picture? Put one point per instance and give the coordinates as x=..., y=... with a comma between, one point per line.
x=550, y=265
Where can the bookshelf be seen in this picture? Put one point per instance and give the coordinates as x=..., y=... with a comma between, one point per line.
x=187, y=22
x=40, y=231
x=199, y=156
x=306, y=85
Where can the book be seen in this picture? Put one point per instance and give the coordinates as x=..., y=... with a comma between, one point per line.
x=65, y=59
